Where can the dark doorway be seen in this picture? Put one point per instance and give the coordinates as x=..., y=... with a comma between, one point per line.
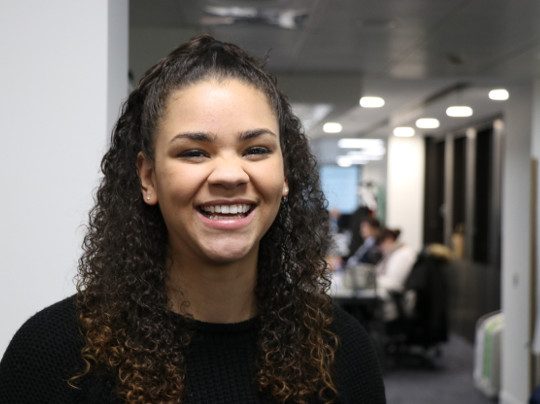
x=434, y=183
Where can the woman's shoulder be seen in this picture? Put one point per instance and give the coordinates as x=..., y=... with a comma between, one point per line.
x=358, y=370
x=52, y=327
x=352, y=335
x=43, y=354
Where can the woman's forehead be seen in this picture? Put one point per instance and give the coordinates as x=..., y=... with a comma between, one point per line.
x=213, y=106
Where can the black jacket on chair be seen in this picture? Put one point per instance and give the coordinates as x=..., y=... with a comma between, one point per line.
x=428, y=279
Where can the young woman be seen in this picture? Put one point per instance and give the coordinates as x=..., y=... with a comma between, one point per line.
x=203, y=277
x=394, y=268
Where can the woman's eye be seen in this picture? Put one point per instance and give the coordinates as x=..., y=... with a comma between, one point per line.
x=257, y=151
x=192, y=154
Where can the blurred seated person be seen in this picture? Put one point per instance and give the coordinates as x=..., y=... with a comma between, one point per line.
x=333, y=220
x=353, y=225
x=368, y=252
x=394, y=268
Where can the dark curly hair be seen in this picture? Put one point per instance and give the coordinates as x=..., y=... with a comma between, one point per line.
x=122, y=301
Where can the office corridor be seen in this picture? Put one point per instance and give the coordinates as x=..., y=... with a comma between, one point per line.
x=451, y=384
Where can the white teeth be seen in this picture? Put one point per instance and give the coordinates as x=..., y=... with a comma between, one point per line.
x=226, y=209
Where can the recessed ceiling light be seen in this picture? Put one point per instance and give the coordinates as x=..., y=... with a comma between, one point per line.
x=403, y=131
x=427, y=123
x=459, y=111
x=499, y=94
x=332, y=127
x=371, y=102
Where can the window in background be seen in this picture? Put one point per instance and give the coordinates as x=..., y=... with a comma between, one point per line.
x=340, y=185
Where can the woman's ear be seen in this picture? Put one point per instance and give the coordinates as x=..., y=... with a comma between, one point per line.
x=145, y=169
x=285, y=192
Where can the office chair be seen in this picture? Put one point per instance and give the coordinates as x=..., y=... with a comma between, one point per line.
x=421, y=325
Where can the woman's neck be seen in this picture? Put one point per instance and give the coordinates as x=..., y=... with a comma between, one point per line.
x=213, y=293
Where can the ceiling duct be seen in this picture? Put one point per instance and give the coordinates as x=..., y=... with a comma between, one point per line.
x=282, y=18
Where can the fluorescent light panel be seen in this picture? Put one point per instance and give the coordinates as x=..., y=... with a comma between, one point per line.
x=347, y=161
x=367, y=150
x=343, y=162
x=372, y=153
x=360, y=143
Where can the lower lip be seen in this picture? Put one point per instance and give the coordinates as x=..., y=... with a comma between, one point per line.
x=233, y=223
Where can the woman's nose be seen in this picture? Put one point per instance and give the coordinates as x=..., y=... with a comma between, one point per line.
x=228, y=173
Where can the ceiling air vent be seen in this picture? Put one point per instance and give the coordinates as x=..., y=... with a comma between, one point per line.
x=282, y=18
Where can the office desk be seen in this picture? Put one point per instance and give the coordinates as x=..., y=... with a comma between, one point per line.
x=363, y=304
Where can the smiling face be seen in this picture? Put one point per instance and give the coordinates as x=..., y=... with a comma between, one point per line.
x=217, y=172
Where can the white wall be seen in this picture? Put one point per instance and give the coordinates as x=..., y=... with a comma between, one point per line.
x=56, y=109
x=515, y=245
x=535, y=147
x=405, y=188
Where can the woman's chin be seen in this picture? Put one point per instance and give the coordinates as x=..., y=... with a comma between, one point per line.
x=225, y=255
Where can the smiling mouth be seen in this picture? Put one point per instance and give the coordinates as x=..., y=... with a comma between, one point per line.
x=220, y=212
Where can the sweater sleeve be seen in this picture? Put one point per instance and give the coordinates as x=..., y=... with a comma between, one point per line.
x=397, y=268
x=41, y=357
x=358, y=372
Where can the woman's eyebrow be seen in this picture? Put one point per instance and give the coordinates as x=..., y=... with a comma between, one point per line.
x=195, y=136
x=253, y=133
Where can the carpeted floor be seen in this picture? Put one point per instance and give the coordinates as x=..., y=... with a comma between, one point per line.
x=450, y=383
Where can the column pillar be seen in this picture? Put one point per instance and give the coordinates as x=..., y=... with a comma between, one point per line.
x=64, y=74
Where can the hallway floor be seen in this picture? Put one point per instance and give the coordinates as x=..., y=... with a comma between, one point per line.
x=450, y=384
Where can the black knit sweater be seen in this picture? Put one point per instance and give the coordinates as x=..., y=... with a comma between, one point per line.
x=220, y=364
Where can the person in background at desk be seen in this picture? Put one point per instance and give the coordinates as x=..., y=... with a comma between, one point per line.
x=368, y=252
x=357, y=272
x=394, y=268
x=353, y=226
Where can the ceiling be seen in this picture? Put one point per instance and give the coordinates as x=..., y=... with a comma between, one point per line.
x=419, y=55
